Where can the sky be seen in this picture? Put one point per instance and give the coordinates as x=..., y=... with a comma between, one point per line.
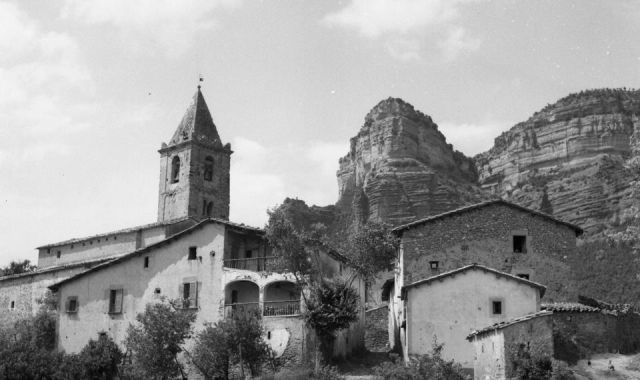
x=89, y=89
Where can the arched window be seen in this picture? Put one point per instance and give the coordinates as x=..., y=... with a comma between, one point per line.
x=208, y=168
x=175, y=169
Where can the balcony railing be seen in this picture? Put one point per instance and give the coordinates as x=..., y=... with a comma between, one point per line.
x=255, y=263
x=242, y=308
x=274, y=308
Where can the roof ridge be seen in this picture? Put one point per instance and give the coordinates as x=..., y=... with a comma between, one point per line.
x=478, y=205
x=440, y=276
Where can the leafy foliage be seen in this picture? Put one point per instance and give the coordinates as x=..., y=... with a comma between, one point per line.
x=100, y=358
x=430, y=366
x=237, y=339
x=371, y=248
x=539, y=367
x=156, y=340
x=332, y=305
x=18, y=267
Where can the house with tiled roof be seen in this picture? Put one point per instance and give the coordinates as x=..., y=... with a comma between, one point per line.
x=447, y=307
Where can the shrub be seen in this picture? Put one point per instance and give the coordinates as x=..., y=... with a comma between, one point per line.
x=157, y=339
x=234, y=340
x=100, y=358
x=430, y=366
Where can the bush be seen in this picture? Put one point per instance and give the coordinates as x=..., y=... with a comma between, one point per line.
x=430, y=366
x=234, y=340
x=324, y=373
x=157, y=339
x=100, y=358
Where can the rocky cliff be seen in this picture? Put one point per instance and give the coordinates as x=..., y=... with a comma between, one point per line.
x=577, y=159
x=400, y=168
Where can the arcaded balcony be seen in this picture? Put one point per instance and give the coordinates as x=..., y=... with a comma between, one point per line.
x=256, y=264
x=241, y=297
x=281, y=298
x=248, y=251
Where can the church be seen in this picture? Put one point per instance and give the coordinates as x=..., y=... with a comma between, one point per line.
x=192, y=254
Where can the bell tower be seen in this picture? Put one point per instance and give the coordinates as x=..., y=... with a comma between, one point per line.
x=194, y=168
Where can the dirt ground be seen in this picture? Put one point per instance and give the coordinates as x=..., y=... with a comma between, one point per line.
x=626, y=367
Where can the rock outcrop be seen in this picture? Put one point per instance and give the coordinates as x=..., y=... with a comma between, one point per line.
x=400, y=168
x=577, y=159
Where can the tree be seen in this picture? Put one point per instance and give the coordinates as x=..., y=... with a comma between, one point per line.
x=234, y=340
x=158, y=337
x=18, y=267
x=100, y=358
x=28, y=349
x=331, y=304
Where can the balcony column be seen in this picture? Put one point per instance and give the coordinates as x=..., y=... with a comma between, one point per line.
x=261, y=291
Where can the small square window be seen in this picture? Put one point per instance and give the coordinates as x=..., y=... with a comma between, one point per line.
x=248, y=253
x=157, y=291
x=146, y=261
x=115, y=301
x=193, y=253
x=496, y=307
x=434, y=265
x=519, y=244
x=72, y=305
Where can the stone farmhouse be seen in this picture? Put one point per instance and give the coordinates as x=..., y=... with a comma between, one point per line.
x=193, y=253
x=497, y=346
x=527, y=248
x=448, y=307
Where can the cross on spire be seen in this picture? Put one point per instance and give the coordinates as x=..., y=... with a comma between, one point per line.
x=200, y=80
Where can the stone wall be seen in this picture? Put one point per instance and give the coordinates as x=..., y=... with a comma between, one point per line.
x=376, y=336
x=485, y=236
x=578, y=335
x=26, y=291
x=533, y=337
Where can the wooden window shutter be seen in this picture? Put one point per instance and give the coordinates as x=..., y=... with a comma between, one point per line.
x=119, y=296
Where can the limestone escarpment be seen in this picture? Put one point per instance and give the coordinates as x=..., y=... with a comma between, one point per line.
x=400, y=168
x=578, y=159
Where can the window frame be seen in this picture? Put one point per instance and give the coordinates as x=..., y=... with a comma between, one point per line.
x=492, y=303
x=175, y=169
x=434, y=265
x=67, y=305
x=190, y=295
x=115, y=307
x=192, y=254
x=523, y=244
x=208, y=169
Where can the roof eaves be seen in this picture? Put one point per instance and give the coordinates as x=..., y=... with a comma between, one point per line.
x=137, y=252
x=399, y=229
x=444, y=275
x=501, y=325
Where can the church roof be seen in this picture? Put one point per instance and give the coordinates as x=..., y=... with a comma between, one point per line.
x=197, y=124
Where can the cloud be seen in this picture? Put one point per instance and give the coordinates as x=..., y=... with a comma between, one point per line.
x=263, y=176
x=458, y=42
x=407, y=26
x=470, y=138
x=42, y=76
x=168, y=24
x=39, y=151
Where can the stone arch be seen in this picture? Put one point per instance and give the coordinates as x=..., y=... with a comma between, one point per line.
x=208, y=168
x=175, y=169
x=241, y=296
x=281, y=298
